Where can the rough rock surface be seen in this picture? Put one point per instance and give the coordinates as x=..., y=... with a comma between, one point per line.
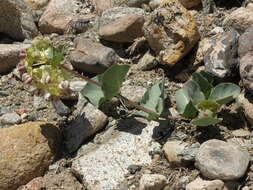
x=221, y=58
x=186, y=3
x=10, y=119
x=125, y=29
x=37, y=4
x=171, y=32
x=217, y=159
x=26, y=152
x=200, y=184
x=112, y=153
x=246, y=102
x=16, y=20
x=9, y=56
x=92, y=57
x=152, y=182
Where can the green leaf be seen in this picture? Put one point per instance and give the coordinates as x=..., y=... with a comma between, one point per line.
x=93, y=92
x=190, y=111
x=209, y=105
x=112, y=80
x=153, y=99
x=189, y=93
x=206, y=121
x=203, y=83
x=224, y=93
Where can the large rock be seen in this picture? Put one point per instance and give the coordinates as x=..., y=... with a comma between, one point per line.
x=240, y=19
x=10, y=55
x=16, y=20
x=92, y=57
x=171, y=32
x=217, y=159
x=27, y=150
x=60, y=17
x=87, y=122
x=125, y=29
x=221, y=58
x=104, y=163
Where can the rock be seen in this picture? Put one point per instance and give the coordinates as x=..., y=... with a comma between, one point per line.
x=36, y=4
x=10, y=56
x=10, y=119
x=241, y=133
x=147, y=62
x=64, y=180
x=129, y=3
x=180, y=153
x=60, y=108
x=92, y=57
x=246, y=102
x=217, y=159
x=125, y=29
x=200, y=184
x=154, y=4
x=240, y=19
x=39, y=103
x=245, y=45
x=152, y=182
x=88, y=121
x=113, y=14
x=60, y=17
x=114, y=151
x=127, y=91
x=186, y=3
x=221, y=58
x=169, y=38
x=16, y=20
x=102, y=5
x=26, y=152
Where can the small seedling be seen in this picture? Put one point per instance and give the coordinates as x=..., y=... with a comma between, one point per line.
x=200, y=101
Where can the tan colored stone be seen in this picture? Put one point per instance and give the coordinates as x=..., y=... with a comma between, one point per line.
x=37, y=4
x=125, y=29
x=27, y=150
x=200, y=184
x=171, y=32
x=102, y=5
x=246, y=103
x=190, y=3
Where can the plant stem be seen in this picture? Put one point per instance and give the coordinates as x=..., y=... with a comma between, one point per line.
x=136, y=105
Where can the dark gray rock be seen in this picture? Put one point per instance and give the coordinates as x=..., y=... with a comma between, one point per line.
x=217, y=159
x=221, y=58
x=92, y=57
x=16, y=20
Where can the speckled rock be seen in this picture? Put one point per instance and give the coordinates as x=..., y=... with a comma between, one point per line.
x=186, y=3
x=240, y=19
x=129, y=3
x=246, y=102
x=92, y=57
x=27, y=150
x=217, y=159
x=152, y=182
x=111, y=153
x=10, y=56
x=200, y=184
x=221, y=58
x=169, y=38
x=125, y=29
x=16, y=20
x=10, y=119
x=37, y=4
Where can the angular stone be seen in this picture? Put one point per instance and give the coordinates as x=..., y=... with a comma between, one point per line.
x=221, y=58
x=240, y=19
x=16, y=20
x=152, y=182
x=171, y=32
x=92, y=57
x=200, y=184
x=87, y=122
x=10, y=119
x=10, y=56
x=104, y=163
x=217, y=159
x=125, y=29
x=27, y=150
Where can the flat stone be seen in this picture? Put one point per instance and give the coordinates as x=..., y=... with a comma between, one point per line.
x=221, y=58
x=152, y=182
x=170, y=39
x=104, y=165
x=27, y=150
x=87, y=122
x=125, y=29
x=16, y=20
x=10, y=56
x=92, y=57
x=200, y=184
x=10, y=119
x=217, y=159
